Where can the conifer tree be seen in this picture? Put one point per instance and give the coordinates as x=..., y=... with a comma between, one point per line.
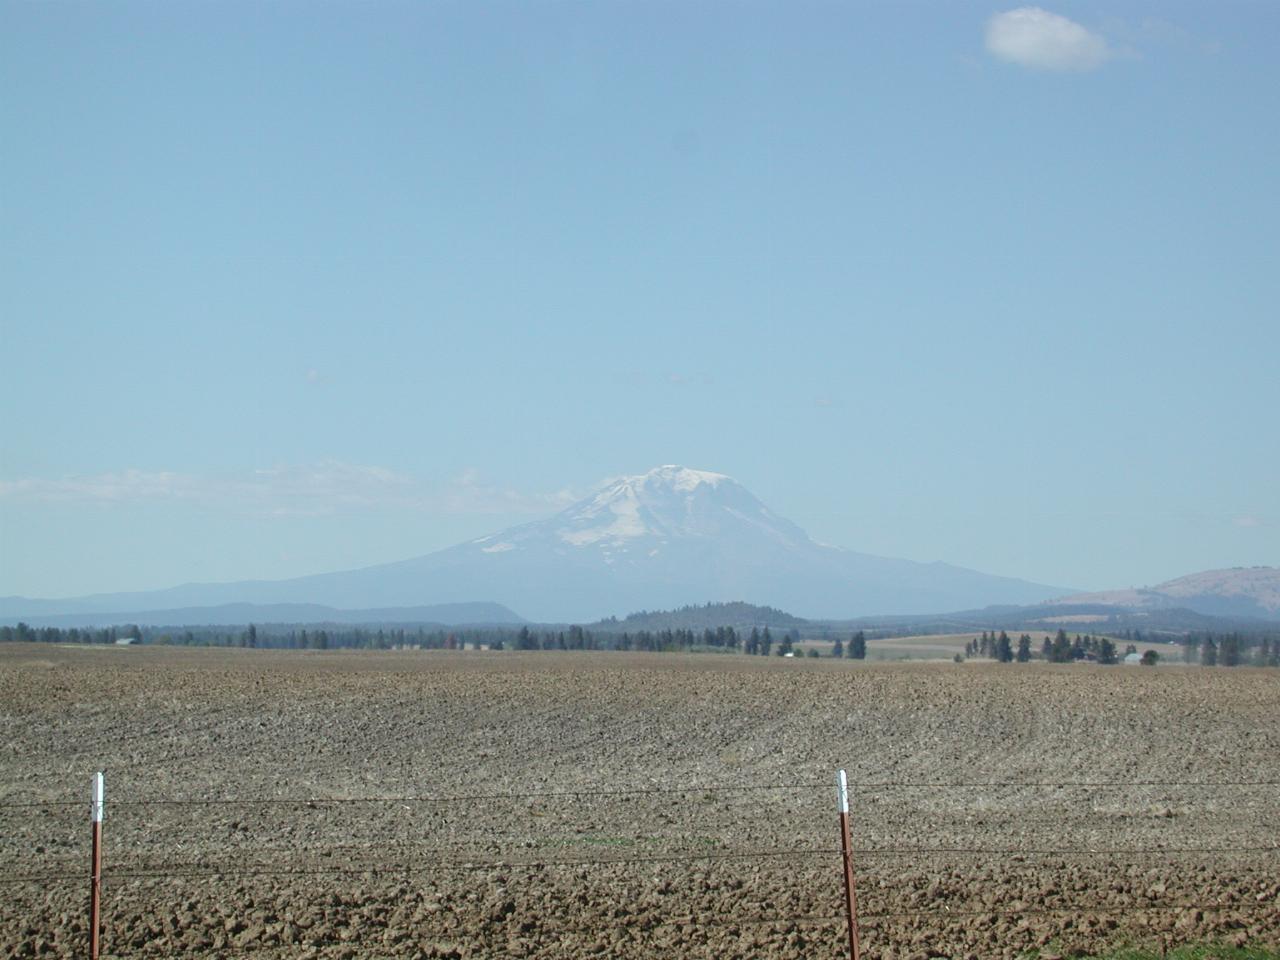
x=1004, y=649
x=1061, y=652
x=1209, y=652
x=1229, y=650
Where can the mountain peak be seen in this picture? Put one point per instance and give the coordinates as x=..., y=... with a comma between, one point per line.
x=669, y=502
x=678, y=477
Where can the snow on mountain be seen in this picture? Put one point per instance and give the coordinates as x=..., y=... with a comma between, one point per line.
x=642, y=515
x=663, y=539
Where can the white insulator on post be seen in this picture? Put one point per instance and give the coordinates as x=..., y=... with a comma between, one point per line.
x=98, y=797
x=842, y=791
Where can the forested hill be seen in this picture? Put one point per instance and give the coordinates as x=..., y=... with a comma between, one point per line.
x=706, y=616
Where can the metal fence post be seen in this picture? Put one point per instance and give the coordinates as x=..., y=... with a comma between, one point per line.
x=95, y=881
x=846, y=848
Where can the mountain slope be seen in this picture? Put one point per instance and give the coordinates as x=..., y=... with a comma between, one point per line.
x=664, y=539
x=1236, y=592
x=232, y=614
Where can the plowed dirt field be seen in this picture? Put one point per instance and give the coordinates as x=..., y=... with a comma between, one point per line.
x=443, y=804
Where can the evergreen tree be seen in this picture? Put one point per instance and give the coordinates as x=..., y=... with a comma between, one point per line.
x=1229, y=651
x=1061, y=652
x=858, y=646
x=1004, y=649
x=1106, y=651
x=837, y=648
x=1208, y=652
x=1024, y=648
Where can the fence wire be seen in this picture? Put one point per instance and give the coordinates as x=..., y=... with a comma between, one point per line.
x=451, y=859
x=716, y=788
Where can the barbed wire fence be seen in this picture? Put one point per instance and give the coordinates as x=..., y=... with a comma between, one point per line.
x=433, y=860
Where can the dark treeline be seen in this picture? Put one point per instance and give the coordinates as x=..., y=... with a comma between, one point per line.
x=580, y=638
x=706, y=616
x=1232, y=649
x=756, y=642
x=272, y=636
x=1260, y=648
x=1059, y=649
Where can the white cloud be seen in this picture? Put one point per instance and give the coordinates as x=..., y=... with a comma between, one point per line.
x=102, y=488
x=1036, y=38
x=318, y=489
x=470, y=493
x=321, y=488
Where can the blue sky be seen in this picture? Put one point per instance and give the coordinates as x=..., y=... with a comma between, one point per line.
x=288, y=288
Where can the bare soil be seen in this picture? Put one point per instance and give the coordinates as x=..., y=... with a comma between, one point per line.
x=306, y=804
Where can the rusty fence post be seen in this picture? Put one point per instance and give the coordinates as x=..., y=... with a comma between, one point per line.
x=95, y=876
x=846, y=848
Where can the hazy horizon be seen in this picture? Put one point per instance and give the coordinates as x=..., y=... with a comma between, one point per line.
x=294, y=289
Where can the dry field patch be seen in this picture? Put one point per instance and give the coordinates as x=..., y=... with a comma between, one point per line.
x=442, y=804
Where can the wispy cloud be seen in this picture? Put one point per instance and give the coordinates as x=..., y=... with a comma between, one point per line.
x=1035, y=38
x=469, y=492
x=127, y=485
x=1249, y=522
x=318, y=489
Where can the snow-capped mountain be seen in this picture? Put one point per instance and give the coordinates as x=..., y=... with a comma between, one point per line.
x=666, y=538
x=632, y=520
